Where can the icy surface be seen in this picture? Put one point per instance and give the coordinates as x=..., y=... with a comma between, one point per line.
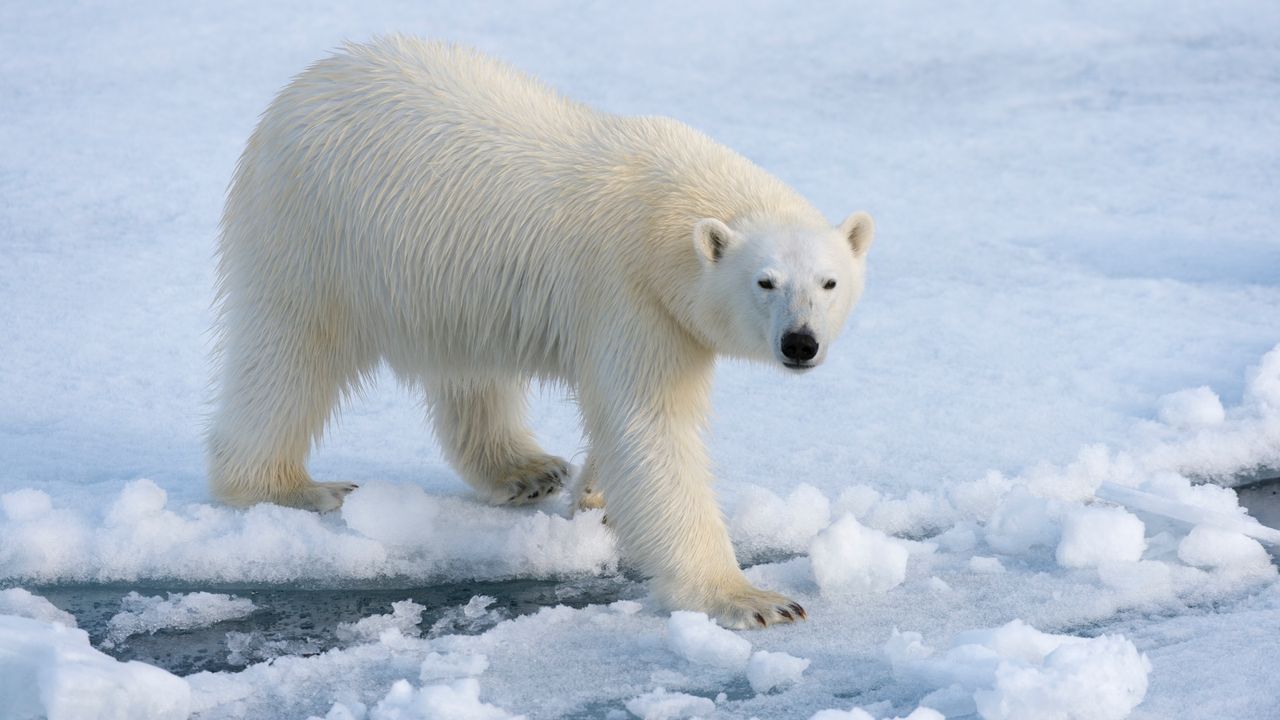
x=50, y=671
x=179, y=611
x=1072, y=292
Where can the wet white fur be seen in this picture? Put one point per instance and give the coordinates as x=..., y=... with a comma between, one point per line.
x=422, y=205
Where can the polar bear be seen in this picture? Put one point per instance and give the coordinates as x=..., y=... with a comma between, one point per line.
x=424, y=206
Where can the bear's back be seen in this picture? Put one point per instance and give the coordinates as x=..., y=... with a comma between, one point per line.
x=430, y=192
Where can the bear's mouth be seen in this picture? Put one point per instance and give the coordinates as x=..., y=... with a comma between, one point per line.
x=798, y=366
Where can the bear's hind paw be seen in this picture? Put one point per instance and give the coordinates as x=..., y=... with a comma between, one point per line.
x=320, y=496
x=546, y=479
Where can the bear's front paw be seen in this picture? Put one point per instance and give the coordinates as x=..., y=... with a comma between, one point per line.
x=752, y=608
x=536, y=480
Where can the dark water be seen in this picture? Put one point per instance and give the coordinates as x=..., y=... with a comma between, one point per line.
x=1262, y=498
x=304, y=620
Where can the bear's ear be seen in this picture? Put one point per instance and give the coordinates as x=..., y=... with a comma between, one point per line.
x=711, y=238
x=859, y=230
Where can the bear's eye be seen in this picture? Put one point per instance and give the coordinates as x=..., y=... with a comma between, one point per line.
x=765, y=283
x=829, y=285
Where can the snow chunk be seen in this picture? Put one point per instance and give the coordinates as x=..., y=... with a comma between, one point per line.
x=857, y=500
x=1094, y=535
x=458, y=700
x=769, y=670
x=404, y=618
x=1205, y=496
x=663, y=705
x=181, y=611
x=698, y=639
x=916, y=512
x=1016, y=672
x=1023, y=521
x=1209, y=547
x=765, y=521
x=1192, y=408
x=26, y=504
x=1262, y=387
x=137, y=501
x=52, y=671
x=851, y=558
x=16, y=601
x=246, y=648
x=1101, y=679
x=469, y=619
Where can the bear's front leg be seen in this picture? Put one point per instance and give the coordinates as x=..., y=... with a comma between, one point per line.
x=650, y=463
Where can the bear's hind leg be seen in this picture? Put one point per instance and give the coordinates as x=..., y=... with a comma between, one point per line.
x=589, y=496
x=481, y=425
x=280, y=382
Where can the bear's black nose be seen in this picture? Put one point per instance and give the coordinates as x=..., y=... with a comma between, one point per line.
x=799, y=346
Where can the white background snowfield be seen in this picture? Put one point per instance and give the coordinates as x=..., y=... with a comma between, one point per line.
x=1076, y=280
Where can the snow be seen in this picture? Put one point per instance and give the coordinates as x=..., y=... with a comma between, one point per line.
x=1069, y=307
x=22, y=603
x=770, y=670
x=1191, y=408
x=698, y=639
x=849, y=558
x=860, y=714
x=475, y=616
x=382, y=531
x=405, y=616
x=986, y=565
x=765, y=521
x=1208, y=547
x=458, y=700
x=180, y=611
x=662, y=705
x=1016, y=672
x=1094, y=535
x=51, y=671
x=436, y=666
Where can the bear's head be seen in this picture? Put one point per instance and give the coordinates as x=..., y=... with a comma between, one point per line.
x=779, y=291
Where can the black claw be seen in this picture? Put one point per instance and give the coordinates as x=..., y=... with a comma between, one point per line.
x=760, y=619
x=785, y=614
x=799, y=611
